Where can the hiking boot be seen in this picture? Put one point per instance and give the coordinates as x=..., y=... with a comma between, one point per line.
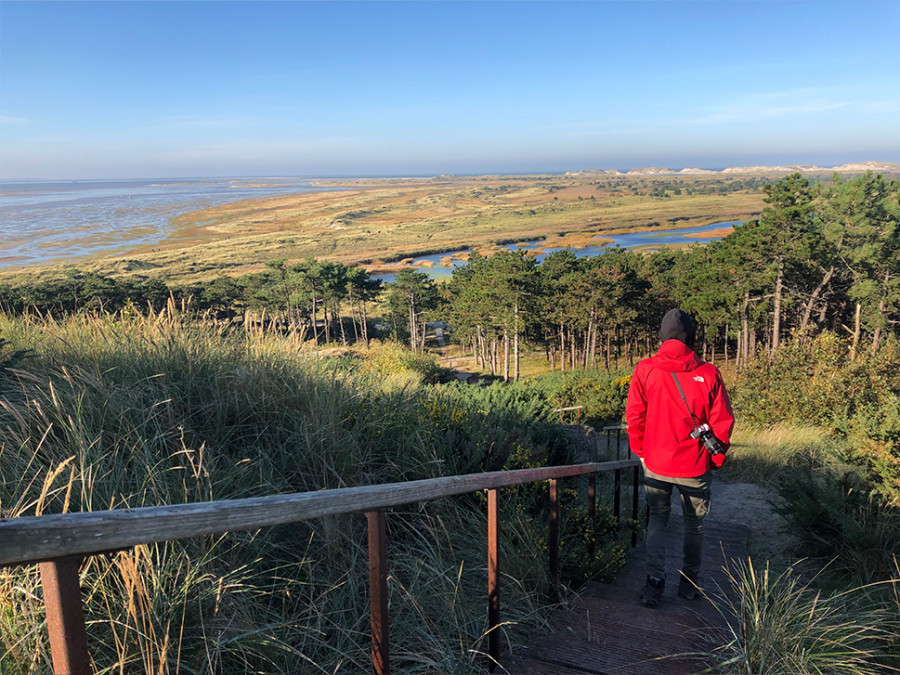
x=652, y=592
x=689, y=586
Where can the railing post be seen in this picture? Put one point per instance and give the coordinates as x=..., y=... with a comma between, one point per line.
x=592, y=495
x=65, y=616
x=378, y=600
x=617, y=496
x=493, y=534
x=592, y=507
x=553, y=544
x=634, y=506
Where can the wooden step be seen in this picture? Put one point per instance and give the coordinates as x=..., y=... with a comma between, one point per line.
x=608, y=631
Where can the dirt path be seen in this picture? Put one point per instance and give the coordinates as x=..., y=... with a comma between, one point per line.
x=751, y=505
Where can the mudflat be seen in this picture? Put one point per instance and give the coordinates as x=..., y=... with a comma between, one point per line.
x=377, y=223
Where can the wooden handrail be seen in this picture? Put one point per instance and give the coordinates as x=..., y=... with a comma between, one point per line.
x=577, y=408
x=60, y=541
x=32, y=539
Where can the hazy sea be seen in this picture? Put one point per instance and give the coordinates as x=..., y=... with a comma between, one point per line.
x=44, y=221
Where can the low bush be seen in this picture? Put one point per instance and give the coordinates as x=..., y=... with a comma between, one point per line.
x=815, y=383
x=838, y=522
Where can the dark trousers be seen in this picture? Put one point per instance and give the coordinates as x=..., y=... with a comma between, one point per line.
x=694, y=494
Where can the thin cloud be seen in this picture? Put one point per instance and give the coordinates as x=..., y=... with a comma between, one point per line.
x=200, y=122
x=6, y=119
x=754, y=111
x=258, y=150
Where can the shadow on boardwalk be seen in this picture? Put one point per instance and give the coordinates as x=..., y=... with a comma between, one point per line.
x=608, y=631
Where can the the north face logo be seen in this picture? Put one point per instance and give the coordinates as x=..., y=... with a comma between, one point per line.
x=699, y=378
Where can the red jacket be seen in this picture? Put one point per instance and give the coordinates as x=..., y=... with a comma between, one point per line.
x=659, y=424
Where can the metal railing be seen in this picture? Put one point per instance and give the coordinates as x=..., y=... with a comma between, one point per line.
x=60, y=542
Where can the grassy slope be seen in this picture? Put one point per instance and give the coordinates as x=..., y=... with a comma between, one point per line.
x=376, y=221
x=107, y=413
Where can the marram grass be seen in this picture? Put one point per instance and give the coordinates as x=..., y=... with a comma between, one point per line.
x=142, y=411
x=780, y=625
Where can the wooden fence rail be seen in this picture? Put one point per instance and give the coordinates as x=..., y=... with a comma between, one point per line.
x=60, y=542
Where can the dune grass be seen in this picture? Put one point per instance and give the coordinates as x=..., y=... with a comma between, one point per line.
x=836, y=609
x=764, y=455
x=780, y=625
x=161, y=410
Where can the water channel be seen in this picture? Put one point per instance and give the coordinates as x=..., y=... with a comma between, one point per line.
x=436, y=265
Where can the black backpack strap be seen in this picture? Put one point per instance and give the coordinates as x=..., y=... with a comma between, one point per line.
x=683, y=398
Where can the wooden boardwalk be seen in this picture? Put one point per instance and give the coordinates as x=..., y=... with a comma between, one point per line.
x=607, y=631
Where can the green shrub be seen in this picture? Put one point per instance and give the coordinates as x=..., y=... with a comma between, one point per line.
x=603, y=396
x=392, y=360
x=836, y=520
x=815, y=383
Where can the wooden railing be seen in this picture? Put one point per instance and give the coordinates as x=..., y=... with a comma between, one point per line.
x=60, y=542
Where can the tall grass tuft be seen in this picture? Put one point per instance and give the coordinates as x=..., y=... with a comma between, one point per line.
x=778, y=625
x=764, y=455
x=135, y=411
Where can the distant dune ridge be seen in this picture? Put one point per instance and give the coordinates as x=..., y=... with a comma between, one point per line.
x=878, y=167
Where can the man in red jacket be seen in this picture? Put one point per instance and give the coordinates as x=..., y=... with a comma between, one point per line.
x=672, y=394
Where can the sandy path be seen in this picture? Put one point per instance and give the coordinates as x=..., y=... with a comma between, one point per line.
x=751, y=505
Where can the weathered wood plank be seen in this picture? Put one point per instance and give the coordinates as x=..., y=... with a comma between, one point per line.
x=608, y=632
x=609, y=658
x=38, y=538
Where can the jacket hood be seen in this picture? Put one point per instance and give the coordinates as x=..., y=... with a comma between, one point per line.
x=675, y=356
x=677, y=325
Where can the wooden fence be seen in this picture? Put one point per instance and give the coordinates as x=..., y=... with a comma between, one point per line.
x=59, y=543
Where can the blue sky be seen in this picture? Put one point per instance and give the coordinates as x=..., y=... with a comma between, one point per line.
x=178, y=89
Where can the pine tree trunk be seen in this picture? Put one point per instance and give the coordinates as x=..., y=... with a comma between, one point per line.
x=413, y=338
x=744, y=347
x=315, y=320
x=776, y=318
x=356, y=319
x=516, y=343
x=857, y=322
x=573, y=349
x=493, y=357
x=589, y=341
x=505, y=356
x=562, y=348
x=481, y=362
x=725, y=346
x=807, y=311
x=340, y=320
x=876, y=337
x=618, y=343
x=606, y=360
x=365, y=324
